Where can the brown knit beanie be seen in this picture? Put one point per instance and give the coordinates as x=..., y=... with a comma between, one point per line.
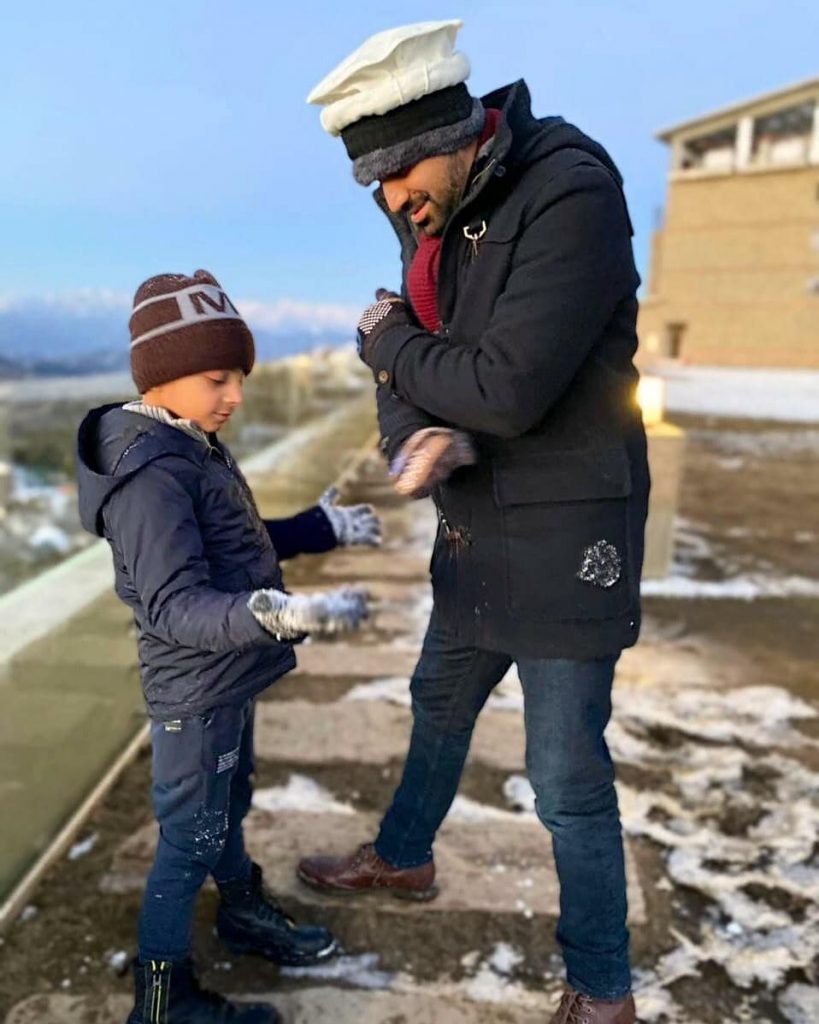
x=183, y=325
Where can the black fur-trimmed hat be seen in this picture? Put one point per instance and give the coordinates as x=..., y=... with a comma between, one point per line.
x=399, y=99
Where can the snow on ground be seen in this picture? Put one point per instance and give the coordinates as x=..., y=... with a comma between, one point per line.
x=300, y=794
x=394, y=690
x=361, y=971
x=750, y=587
x=466, y=810
x=785, y=395
x=697, y=556
x=738, y=821
x=83, y=847
x=779, y=443
x=734, y=810
x=800, y=1004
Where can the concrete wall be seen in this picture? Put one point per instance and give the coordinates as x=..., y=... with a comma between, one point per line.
x=738, y=263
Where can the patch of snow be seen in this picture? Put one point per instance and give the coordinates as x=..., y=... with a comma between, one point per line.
x=83, y=847
x=505, y=958
x=785, y=395
x=721, y=740
x=519, y=793
x=396, y=690
x=362, y=971
x=118, y=961
x=300, y=794
x=469, y=961
x=656, y=1005
x=393, y=690
x=731, y=464
x=738, y=588
x=489, y=987
x=755, y=715
x=800, y=1004
x=739, y=532
x=465, y=810
x=51, y=538
x=767, y=444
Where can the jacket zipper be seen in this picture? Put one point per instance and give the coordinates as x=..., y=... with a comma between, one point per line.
x=156, y=992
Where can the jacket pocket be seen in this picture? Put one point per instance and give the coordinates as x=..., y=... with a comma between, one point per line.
x=564, y=519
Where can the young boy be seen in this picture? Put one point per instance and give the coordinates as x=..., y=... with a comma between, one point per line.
x=200, y=569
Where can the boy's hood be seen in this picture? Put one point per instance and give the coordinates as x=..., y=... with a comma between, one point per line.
x=113, y=445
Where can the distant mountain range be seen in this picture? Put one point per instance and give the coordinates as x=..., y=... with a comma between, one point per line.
x=86, y=333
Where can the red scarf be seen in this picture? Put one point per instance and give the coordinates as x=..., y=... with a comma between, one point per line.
x=422, y=277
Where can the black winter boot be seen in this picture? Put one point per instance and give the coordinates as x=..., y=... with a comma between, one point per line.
x=249, y=921
x=168, y=993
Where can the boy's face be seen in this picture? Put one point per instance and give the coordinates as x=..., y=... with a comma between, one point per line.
x=207, y=399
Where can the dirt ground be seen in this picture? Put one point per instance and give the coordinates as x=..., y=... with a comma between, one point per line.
x=748, y=506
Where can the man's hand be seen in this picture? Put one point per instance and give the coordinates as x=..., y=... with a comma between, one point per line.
x=290, y=616
x=428, y=458
x=352, y=524
x=388, y=310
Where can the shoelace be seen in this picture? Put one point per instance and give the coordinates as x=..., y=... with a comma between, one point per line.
x=267, y=908
x=578, y=1006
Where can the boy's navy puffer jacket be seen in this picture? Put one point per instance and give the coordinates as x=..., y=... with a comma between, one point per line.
x=189, y=548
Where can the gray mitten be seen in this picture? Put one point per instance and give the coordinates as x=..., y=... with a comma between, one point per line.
x=352, y=524
x=290, y=616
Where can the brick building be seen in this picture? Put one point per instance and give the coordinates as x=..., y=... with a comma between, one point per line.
x=734, y=272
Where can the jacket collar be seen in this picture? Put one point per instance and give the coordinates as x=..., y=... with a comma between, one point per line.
x=511, y=142
x=162, y=415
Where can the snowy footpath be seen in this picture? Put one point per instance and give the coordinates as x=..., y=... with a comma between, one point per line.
x=718, y=782
x=790, y=396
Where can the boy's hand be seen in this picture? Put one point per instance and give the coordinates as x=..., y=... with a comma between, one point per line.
x=290, y=616
x=352, y=524
x=428, y=458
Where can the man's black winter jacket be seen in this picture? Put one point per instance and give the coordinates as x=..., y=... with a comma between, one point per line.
x=540, y=545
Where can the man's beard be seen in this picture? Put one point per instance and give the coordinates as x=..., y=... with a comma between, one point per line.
x=443, y=206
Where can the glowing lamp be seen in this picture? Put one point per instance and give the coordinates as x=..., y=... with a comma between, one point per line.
x=651, y=399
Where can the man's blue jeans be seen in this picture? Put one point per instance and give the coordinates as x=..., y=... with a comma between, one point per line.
x=202, y=789
x=567, y=705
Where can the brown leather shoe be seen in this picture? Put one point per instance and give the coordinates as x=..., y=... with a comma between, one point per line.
x=365, y=871
x=576, y=1008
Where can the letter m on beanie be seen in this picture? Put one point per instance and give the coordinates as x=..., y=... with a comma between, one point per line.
x=211, y=300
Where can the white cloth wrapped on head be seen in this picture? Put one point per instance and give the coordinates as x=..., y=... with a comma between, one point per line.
x=388, y=70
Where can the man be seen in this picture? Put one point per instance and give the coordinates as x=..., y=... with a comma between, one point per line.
x=512, y=348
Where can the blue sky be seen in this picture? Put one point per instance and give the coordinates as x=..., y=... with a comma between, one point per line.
x=165, y=136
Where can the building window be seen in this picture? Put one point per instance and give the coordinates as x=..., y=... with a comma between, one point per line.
x=715, y=151
x=673, y=340
x=784, y=137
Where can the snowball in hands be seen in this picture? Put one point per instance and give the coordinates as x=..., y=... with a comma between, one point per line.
x=290, y=616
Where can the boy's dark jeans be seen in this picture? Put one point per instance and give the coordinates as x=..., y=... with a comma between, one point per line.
x=567, y=705
x=202, y=768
